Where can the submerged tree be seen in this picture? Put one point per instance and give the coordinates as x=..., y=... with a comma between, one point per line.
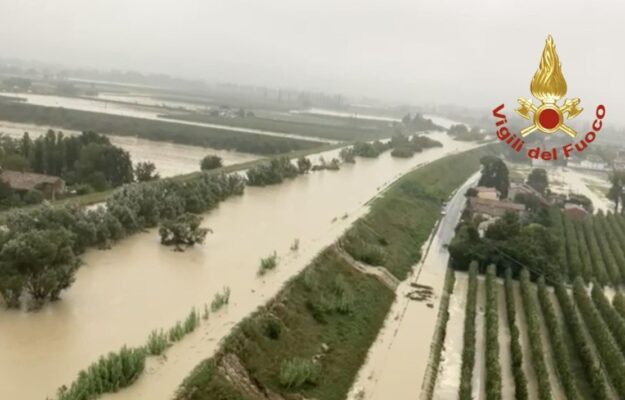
x=146, y=171
x=210, y=162
x=38, y=263
x=303, y=165
x=184, y=230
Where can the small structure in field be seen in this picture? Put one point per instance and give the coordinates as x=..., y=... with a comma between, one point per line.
x=50, y=186
x=575, y=211
x=488, y=193
x=494, y=208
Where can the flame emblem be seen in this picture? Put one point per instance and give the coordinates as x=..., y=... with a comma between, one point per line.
x=548, y=86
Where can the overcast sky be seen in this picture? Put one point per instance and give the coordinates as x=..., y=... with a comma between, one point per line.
x=472, y=52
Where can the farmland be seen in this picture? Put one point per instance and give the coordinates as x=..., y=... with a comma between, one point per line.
x=564, y=330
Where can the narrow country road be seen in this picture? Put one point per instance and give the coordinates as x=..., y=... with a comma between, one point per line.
x=397, y=361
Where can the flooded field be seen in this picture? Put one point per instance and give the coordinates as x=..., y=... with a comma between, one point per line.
x=564, y=180
x=137, y=111
x=170, y=158
x=122, y=294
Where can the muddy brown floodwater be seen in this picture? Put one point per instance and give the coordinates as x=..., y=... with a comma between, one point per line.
x=120, y=295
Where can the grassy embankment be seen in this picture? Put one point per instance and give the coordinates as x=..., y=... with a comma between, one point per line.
x=314, y=335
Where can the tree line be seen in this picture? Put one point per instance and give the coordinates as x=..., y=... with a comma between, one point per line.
x=86, y=162
x=40, y=248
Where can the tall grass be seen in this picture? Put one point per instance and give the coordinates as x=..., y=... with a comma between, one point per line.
x=220, y=300
x=118, y=370
x=268, y=263
x=109, y=374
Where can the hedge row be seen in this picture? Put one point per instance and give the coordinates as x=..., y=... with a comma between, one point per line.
x=556, y=338
x=533, y=330
x=600, y=269
x=493, y=367
x=468, y=350
x=604, y=341
x=592, y=365
x=520, y=380
x=613, y=319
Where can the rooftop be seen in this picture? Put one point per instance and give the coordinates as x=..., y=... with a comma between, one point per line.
x=26, y=180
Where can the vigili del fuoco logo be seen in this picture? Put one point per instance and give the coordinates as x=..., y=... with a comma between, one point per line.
x=548, y=117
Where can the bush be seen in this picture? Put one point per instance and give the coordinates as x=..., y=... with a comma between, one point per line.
x=210, y=162
x=297, y=372
x=347, y=155
x=157, y=343
x=268, y=263
x=109, y=374
x=145, y=171
x=402, y=152
x=273, y=328
x=220, y=300
x=184, y=230
x=33, y=196
x=271, y=173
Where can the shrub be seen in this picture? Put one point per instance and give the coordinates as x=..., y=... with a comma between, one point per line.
x=191, y=322
x=220, y=300
x=273, y=328
x=210, y=162
x=184, y=230
x=268, y=263
x=297, y=372
x=33, y=196
x=157, y=343
x=109, y=374
x=176, y=332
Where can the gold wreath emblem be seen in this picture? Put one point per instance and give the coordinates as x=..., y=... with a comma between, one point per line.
x=548, y=86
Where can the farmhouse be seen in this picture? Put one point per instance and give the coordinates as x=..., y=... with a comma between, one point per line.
x=51, y=186
x=494, y=208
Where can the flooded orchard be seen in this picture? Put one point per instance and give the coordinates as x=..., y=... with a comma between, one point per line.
x=120, y=295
